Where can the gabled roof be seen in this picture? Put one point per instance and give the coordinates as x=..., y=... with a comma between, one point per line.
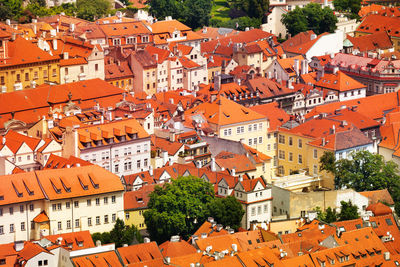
x=14, y=141
x=176, y=249
x=22, y=51
x=168, y=26
x=72, y=241
x=57, y=162
x=379, y=209
x=231, y=161
x=76, y=182
x=276, y=116
x=140, y=253
x=124, y=29
x=268, y=88
x=138, y=199
x=303, y=48
x=163, y=144
x=109, y=258
x=287, y=64
x=224, y=112
x=298, y=39
x=377, y=23
x=378, y=196
x=371, y=42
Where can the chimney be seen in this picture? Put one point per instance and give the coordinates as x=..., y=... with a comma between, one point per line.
x=151, y=172
x=34, y=28
x=66, y=55
x=269, y=75
x=165, y=157
x=8, y=22
x=233, y=172
x=146, y=240
x=3, y=140
x=217, y=81
x=219, y=227
x=213, y=169
x=98, y=243
x=55, y=44
x=335, y=70
x=304, y=67
x=323, y=141
x=72, y=27
x=18, y=245
x=320, y=74
x=290, y=85
x=296, y=67
x=313, y=36
x=386, y=255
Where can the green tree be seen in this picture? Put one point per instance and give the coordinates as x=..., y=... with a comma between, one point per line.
x=351, y=6
x=327, y=162
x=227, y=211
x=327, y=216
x=348, y=211
x=92, y=9
x=197, y=12
x=120, y=234
x=178, y=208
x=251, y=8
x=311, y=17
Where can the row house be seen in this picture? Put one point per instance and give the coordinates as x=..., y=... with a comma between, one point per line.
x=39, y=203
x=121, y=146
x=300, y=147
x=79, y=60
x=378, y=75
x=23, y=153
x=144, y=68
x=233, y=121
x=132, y=35
x=24, y=65
x=170, y=31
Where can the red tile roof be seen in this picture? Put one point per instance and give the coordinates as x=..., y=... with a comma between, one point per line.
x=377, y=23
x=73, y=241
x=175, y=249
x=378, y=196
x=140, y=253
x=276, y=116
x=102, y=259
x=134, y=200
x=371, y=42
x=379, y=209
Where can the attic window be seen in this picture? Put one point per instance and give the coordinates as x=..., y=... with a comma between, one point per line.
x=85, y=187
x=28, y=190
x=65, y=185
x=245, y=112
x=58, y=190
x=389, y=222
x=226, y=115
x=2, y=197
x=374, y=225
x=358, y=226
x=92, y=179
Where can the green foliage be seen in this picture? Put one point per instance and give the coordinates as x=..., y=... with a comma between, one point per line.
x=327, y=216
x=351, y=6
x=178, y=208
x=348, y=211
x=251, y=8
x=227, y=211
x=327, y=162
x=365, y=172
x=14, y=7
x=311, y=17
x=239, y=23
x=194, y=13
x=92, y=9
x=120, y=235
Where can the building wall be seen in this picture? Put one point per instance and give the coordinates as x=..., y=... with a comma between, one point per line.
x=125, y=83
x=135, y=217
x=274, y=24
x=37, y=72
x=16, y=218
x=327, y=44
x=352, y=94
x=246, y=135
x=83, y=211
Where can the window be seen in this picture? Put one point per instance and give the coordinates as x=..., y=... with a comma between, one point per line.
x=77, y=223
x=23, y=226
x=116, y=41
x=281, y=154
x=240, y=130
x=315, y=153
x=138, y=164
x=113, y=199
x=145, y=39
x=300, y=159
x=96, y=67
x=54, y=72
x=1, y=211
x=281, y=139
x=67, y=205
x=66, y=71
x=18, y=77
x=116, y=168
x=250, y=142
x=259, y=210
x=113, y=217
x=45, y=74
x=127, y=216
x=260, y=139
x=290, y=156
x=105, y=200
x=255, y=127
x=82, y=69
x=21, y=208
x=105, y=218
x=315, y=169
x=76, y=204
x=300, y=143
x=97, y=201
x=54, y=207
x=253, y=211
x=69, y=224
x=227, y=132
x=59, y=226
x=59, y=206
x=1, y=230
x=255, y=141
x=265, y=208
x=145, y=163
x=2, y=80
x=11, y=210
x=290, y=141
x=89, y=221
x=250, y=127
x=89, y=202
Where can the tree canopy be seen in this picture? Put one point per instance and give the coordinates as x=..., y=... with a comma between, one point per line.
x=121, y=234
x=194, y=13
x=92, y=9
x=364, y=172
x=311, y=17
x=180, y=207
x=227, y=211
x=250, y=8
x=350, y=6
x=348, y=211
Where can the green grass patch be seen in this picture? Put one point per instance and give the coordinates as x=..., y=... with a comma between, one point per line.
x=220, y=10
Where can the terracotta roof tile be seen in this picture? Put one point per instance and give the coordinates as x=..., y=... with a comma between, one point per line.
x=176, y=249
x=139, y=253
x=378, y=196
x=105, y=259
